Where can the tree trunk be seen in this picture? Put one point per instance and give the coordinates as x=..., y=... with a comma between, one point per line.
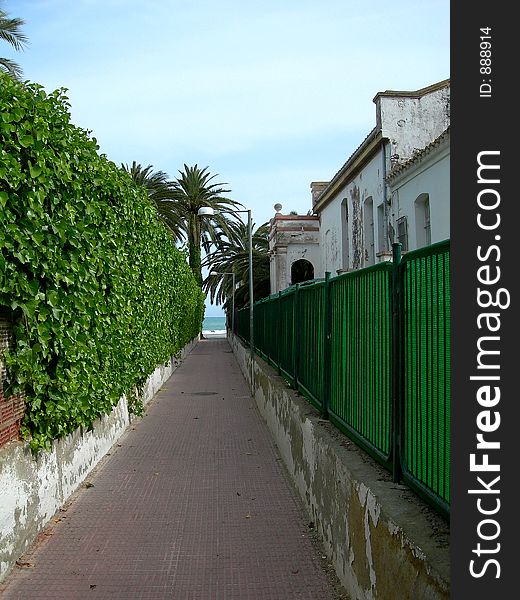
x=194, y=258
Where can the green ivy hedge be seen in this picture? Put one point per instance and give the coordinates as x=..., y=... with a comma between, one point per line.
x=99, y=293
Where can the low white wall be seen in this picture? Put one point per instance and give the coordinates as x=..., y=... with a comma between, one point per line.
x=384, y=543
x=33, y=488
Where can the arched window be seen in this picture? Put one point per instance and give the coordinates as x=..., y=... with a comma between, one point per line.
x=368, y=230
x=301, y=270
x=327, y=250
x=381, y=245
x=402, y=232
x=422, y=220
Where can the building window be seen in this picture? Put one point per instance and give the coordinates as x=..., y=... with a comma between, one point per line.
x=402, y=233
x=328, y=238
x=422, y=220
x=368, y=227
x=381, y=246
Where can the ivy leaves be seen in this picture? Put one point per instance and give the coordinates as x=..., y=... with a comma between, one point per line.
x=98, y=292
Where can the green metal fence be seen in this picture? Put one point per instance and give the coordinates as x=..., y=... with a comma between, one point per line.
x=309, y=339
x=371, y=350
x=425, y=390
x=361, y=369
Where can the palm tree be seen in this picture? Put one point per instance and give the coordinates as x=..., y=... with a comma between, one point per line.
x=232, y=256
x=193, y=190
x=11, y=33
x=160, y=191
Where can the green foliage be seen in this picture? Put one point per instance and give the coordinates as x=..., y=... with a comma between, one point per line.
x=99, y=293
x=193, y=190
x=11, y=32
x=232, y=256
x=160, y=193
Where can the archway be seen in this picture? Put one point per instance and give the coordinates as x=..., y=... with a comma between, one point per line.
x=301, y=270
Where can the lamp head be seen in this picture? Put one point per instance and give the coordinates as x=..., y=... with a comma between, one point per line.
x=205, y=211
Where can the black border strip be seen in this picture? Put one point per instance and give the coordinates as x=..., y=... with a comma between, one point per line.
x=483, y=119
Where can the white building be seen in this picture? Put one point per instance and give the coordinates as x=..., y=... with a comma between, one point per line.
x=420, y=196
x=294, y=250
x=371, y=197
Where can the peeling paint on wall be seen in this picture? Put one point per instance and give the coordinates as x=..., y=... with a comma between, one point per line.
x=407, y=123
x=356, y=224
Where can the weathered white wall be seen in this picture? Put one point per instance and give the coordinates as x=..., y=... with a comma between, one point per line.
x=431, y=176
x=408, y=122
x=282, y=262
x=280, y=273
x=292, y=239
x=411, y=123
x=33, y=488
x=344, y=244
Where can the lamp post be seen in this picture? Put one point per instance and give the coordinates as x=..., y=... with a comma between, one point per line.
x=214, y=273
x=207, y=211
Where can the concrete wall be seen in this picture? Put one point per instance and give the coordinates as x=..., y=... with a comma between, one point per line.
x=412, y=122
x=33, y=488
x=356, y=227
x=385, y=544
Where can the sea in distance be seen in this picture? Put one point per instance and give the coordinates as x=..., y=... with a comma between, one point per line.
x=214, y=326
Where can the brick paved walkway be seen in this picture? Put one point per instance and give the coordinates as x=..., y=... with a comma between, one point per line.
x=192, y=504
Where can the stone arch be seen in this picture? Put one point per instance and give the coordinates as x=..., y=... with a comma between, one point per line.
x=301, y=270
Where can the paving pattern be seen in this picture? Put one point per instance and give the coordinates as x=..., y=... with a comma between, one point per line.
x=191, y=504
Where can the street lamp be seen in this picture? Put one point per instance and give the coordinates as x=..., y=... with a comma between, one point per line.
x=215, y=274
x=207, y=211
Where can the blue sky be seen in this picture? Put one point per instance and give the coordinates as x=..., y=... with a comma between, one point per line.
x=270, y=95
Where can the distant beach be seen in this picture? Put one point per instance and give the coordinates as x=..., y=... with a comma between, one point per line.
x=214, y=327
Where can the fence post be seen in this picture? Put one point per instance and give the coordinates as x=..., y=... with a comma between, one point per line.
x=278, y=330
x=396, y=363
x=327, y=321
x=296, y=335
